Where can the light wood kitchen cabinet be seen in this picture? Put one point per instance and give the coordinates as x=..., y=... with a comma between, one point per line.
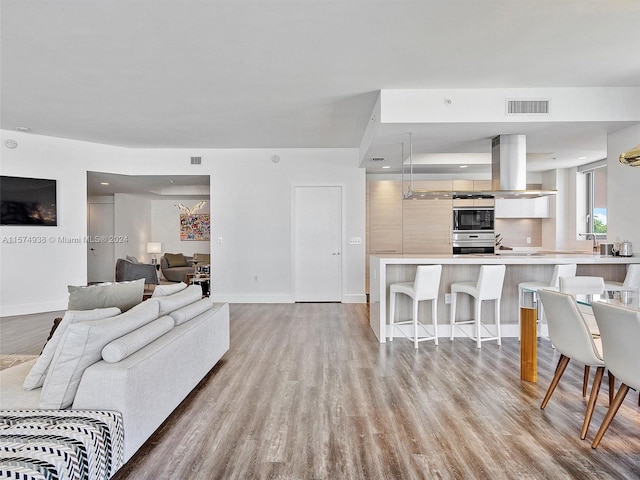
x=385, y=216
x=472, y=186
x=426, y=224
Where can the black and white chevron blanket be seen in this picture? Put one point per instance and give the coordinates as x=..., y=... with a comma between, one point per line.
x=60, y=444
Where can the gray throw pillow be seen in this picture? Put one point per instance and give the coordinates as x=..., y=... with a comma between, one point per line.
x=132, y=259
x=123, y=295
x=175, y=260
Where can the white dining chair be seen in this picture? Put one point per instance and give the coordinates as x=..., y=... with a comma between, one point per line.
x=487, y=287
x=424, y=287
x=619, y=331
x=631, y=280
x=570, y=334
x=583, y=285
x=562, y=270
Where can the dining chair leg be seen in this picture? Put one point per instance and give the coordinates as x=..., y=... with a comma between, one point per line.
x=585, y=380
x=595, y=389
x=564, y=361
x=612, y=387
x=559, y=362
x=613, y=409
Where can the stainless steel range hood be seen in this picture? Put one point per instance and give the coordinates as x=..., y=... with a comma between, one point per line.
x=508, y=174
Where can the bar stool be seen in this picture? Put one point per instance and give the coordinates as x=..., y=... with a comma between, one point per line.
x=488, y=287
x=631, y=280
x=566, y=270
x=424, y=287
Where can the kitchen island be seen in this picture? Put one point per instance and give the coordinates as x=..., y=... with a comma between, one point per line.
x=521, y=267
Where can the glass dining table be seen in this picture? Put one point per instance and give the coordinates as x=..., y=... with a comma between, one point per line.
x=529, y=314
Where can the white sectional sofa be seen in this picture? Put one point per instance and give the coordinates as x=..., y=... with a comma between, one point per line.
x=143, y=374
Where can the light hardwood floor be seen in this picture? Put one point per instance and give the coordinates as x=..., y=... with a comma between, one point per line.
x=306, y=392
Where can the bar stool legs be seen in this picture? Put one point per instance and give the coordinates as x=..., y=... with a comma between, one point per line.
x=488, y=287
x=424, y=287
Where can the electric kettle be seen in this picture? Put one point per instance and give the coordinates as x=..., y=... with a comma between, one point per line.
x=625, y=249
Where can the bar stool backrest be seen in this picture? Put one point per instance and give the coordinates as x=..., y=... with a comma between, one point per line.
x=566, y=270
x=633, y=276
x=427, y=282
x=490, y=282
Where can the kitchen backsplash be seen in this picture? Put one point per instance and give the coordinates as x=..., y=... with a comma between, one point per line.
x=516, y=230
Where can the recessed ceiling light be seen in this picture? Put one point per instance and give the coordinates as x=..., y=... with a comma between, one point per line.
x=582, y=158
x=105, y=183
x=386, y=166
x=464, y=166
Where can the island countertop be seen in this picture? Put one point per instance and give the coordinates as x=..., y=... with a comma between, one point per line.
x=522, y=266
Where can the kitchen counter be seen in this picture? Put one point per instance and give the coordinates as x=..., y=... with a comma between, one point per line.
x=522, y=266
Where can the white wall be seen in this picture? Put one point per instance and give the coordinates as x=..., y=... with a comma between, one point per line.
x=132, y=215
x=250, y=211
x=623, y=183
x=34, y=276
x=165, y=227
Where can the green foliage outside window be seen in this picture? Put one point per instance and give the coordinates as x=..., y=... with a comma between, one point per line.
x=598, y=226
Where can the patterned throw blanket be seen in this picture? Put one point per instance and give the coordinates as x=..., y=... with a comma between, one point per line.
x=60, y=444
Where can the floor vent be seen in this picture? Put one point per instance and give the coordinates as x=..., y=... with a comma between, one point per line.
x=527, y=107
x=196, y=160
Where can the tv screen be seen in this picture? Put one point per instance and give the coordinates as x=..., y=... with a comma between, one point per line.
x=28, y=201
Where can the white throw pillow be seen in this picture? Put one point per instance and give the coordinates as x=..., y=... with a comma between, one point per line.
x=130, y=343
x=81, y=346
x=164, y=290
x=189, y=295
x=36, y=376
x=192, y=310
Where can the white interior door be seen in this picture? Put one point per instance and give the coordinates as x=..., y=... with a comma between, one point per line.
x=318, y=244
x=101, y=265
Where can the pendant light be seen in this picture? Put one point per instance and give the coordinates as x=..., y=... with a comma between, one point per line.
x=632, y=157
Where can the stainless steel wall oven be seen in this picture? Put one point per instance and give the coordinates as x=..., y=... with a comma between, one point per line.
x=473, y=230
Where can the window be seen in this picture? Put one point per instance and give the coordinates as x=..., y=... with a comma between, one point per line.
x=595, y=177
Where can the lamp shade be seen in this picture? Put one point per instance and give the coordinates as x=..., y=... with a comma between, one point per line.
x=154, y=247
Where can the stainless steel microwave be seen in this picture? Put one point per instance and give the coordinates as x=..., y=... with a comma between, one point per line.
x=467, y=219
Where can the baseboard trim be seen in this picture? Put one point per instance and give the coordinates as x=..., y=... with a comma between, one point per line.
x=29, y=308
x=354, y=298
x=235, y=298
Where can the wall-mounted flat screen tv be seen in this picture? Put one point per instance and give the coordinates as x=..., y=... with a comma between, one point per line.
x=28, y=201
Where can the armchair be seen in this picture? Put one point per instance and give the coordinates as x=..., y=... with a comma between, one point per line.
x=175, y=266
x=127, y=270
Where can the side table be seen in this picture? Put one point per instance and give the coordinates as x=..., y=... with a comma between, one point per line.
x=199, y=279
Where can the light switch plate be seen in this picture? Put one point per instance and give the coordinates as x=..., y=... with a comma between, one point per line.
x=355, y=241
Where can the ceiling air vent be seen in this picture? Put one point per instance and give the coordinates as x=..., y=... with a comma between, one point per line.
x=527, y=107
x=196, y=160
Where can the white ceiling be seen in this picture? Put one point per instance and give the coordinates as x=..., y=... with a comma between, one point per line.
x=285, y=73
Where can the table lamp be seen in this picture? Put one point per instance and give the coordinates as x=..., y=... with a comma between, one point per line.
x=154, y=248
